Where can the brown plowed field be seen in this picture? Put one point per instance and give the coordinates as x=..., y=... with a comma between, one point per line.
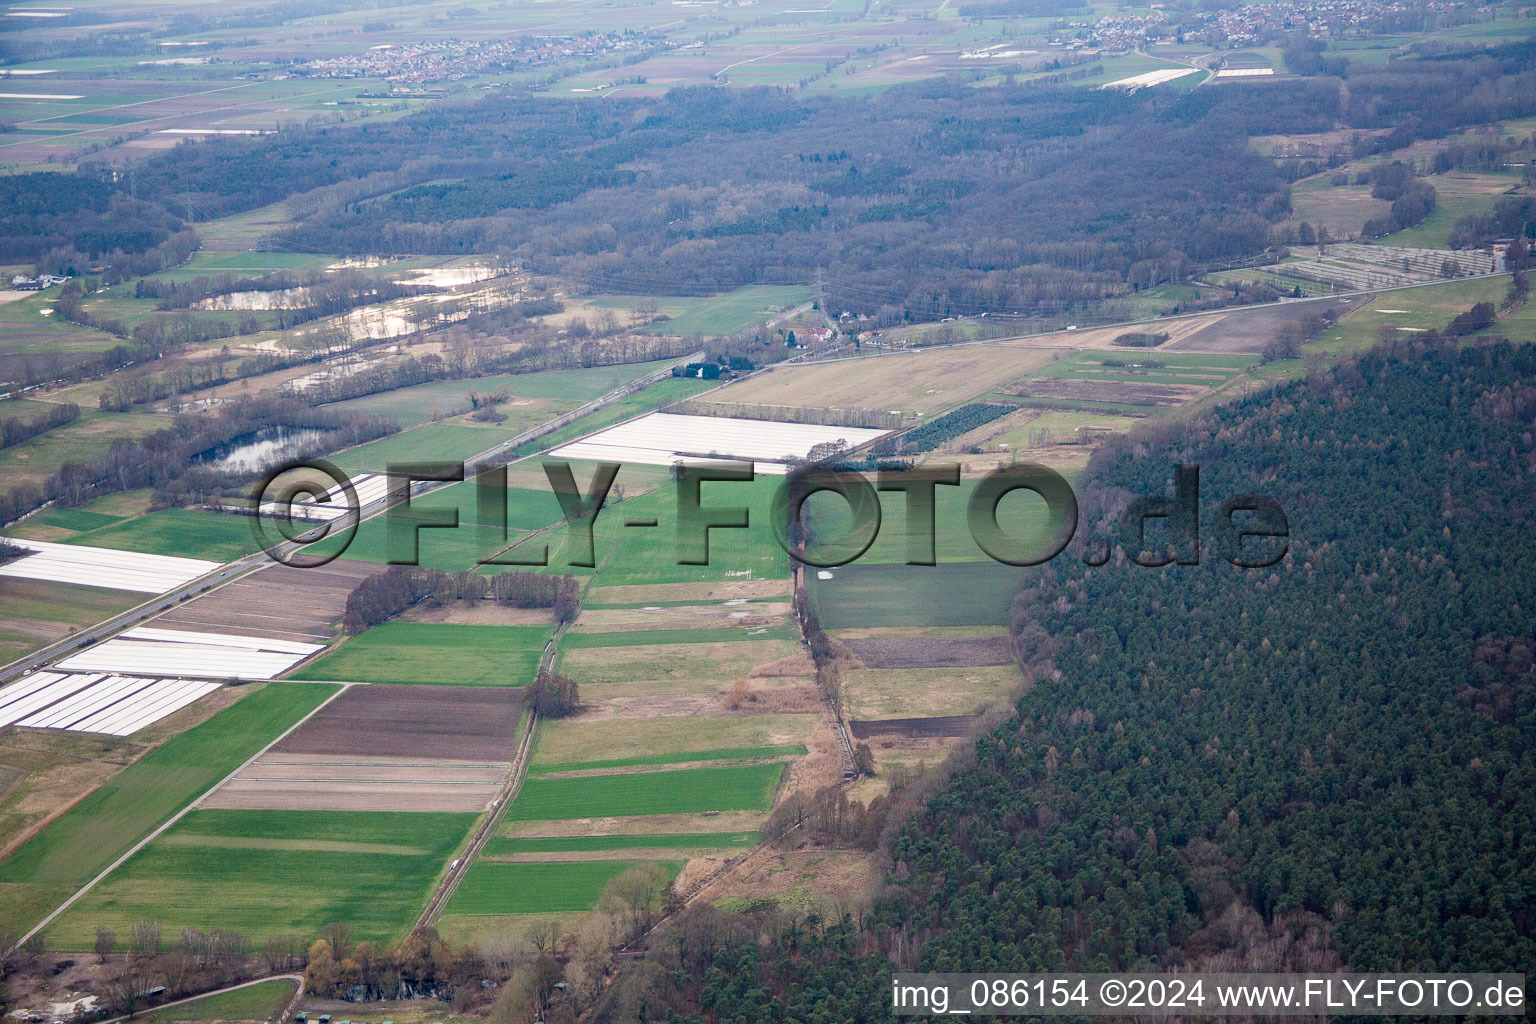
x=279, y=602
x=931, y=651
x=464, y=723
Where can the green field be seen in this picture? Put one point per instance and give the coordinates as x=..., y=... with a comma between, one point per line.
x=618, y=742
x=1020, y=514
x=266, y=873
x=502, y=846
x=75, y=847
x=724, y=754
x=1434, y=231
x=434, y=442
x=729, y=313
x=176, y=531
x=260, y=1001
x=552, y=392
x=500, y=889
x=654, y=554
x=426, y=652
x=1430, y=307
x=87, y=438
x=948, y=594
x=673, y=389
x=743, y=788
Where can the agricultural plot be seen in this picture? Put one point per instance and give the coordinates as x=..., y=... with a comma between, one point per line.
x=1341, y=209
x=277, y=602
x=114, y=705
x=534, y=396
x=1061, y=426
x=259, y=1002
x=105, y=567
x=1147, y=381
x=433, y=442
x=77, y=845
x=177, y=531
x=1349, y=266
x=730, y=312
x=913, y=383
x=671, y=637
x=1020, y=515
x=359, y=782
x=35, y=613
x=89, y=437
x=588, y=743
x=930, y=652
x=1410, y=310
x=947, y=594
x=927, y=692
x=749, y=787
x=514, y=889
x=439, y=653
x=661, y=439
x=414, y=722
x=266, y=873
x=175, y=652
x=643, y=544
x=678, y=668
x=739, y=613
x=500, y=847
x=1250, y=330
x=603, y=596
x=331, y=503
x=1149, y=79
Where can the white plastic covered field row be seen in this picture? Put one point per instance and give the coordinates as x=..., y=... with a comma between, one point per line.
x=370, y=487
x=1148, y=79
x=111, y=704
x=663, y=438
x=104, y=567
x=174, y=652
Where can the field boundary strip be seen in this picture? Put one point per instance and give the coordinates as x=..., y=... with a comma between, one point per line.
x=173, y=819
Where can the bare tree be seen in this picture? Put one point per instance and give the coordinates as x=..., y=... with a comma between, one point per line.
x=106, y=941
x=544, y=936
x=144, y=938
x=341, y=938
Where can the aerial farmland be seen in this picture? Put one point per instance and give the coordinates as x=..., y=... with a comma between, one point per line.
x=438, y=583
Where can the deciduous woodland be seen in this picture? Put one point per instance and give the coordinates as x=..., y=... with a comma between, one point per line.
x=931, y=199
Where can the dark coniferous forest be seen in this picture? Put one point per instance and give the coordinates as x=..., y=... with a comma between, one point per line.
x=1328, y=764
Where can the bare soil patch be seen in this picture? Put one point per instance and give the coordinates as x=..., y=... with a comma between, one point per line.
x=481, y=613
x=804, y=879
x=931, y=652
x=917, y=728
x=690, y=591
x=1118, y=392
x=1249, y=330
x=314, y=782
x=279, y=602
x=623, y=620
x=459, y=722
